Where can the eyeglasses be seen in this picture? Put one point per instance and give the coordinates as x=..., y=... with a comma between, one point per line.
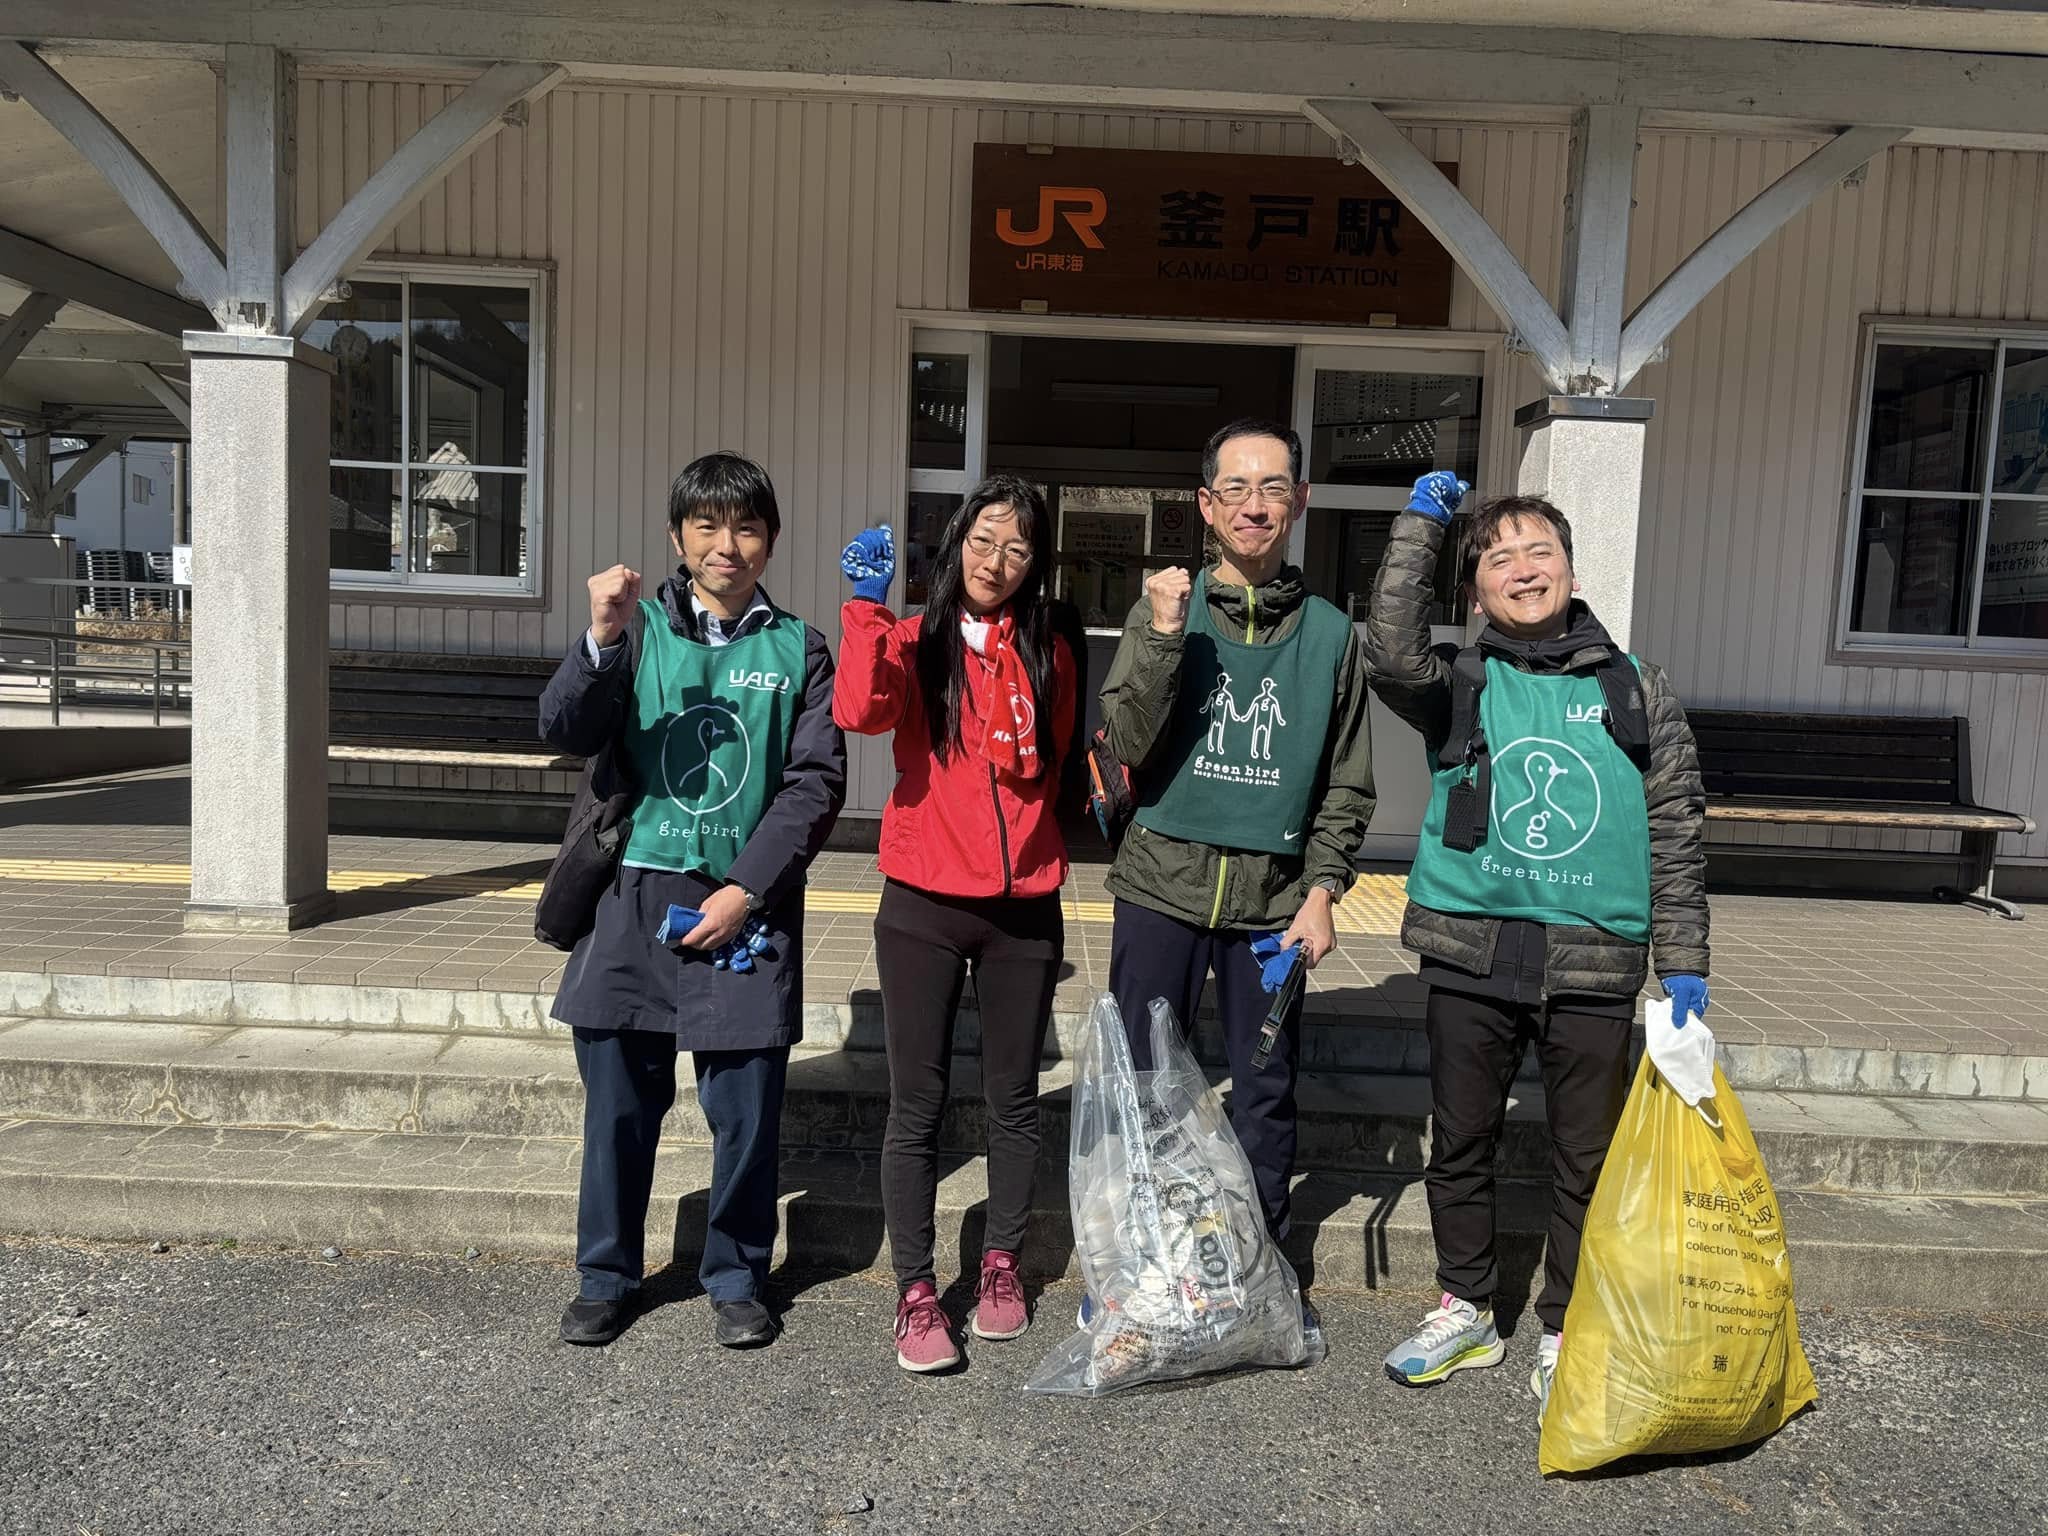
x=1276, y=492
x=986, y=548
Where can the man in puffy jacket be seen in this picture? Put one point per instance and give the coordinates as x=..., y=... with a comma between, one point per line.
x=1252, y=799
x=1562, y=841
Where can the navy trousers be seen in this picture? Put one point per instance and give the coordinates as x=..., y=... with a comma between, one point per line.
x=1153, y=955
x=629, y=1083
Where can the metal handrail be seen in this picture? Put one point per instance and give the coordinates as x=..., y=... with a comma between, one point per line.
x=57, y=667
x=19, y=632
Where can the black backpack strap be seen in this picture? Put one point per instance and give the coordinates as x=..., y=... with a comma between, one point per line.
x=1628, y=717
x=1468, y=681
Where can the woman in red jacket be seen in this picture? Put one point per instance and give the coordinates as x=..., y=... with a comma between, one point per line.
x=980, y=694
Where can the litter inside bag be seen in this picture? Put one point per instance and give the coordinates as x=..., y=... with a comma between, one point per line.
x=1681, y=1334
x=1172, y=1240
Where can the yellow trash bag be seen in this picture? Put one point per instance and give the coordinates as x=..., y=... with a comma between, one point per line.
x=1681, y=1334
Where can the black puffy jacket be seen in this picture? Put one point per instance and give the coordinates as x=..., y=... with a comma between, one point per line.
x=1413, y=680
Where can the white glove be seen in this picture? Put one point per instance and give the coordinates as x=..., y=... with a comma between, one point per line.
x=1684, y=1055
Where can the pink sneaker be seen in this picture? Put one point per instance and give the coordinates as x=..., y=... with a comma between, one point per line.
x=999, y=1310
x=924, y=1339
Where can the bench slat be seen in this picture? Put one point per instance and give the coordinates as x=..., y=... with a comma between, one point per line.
x=1771, y=722
x=453, y=685
x=1722, y=739
x=547, y=759
x=1786, y=786
x=349, y=701
x=1855, y=813
x=357, y=727
x=1758, y=762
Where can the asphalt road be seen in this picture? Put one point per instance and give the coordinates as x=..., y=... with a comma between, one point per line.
x=207, y=1389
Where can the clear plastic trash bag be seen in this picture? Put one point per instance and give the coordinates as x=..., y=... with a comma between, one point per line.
x=1172, y=1240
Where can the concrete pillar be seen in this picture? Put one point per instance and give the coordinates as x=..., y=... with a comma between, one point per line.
x=259, y=632
x=1584, y=454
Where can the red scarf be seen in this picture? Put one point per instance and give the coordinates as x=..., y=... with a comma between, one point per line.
x=1002, y=695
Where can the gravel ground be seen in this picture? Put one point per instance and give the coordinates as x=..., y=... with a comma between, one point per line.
x=217, y=1390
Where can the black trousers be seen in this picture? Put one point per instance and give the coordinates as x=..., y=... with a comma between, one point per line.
x=923, y=946
x=1475, y=1046
x=1153, y=955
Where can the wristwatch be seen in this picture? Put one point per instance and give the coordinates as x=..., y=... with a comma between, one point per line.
x=1331, y=884
x=754, y=903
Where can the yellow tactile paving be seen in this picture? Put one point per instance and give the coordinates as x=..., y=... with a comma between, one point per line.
x=1373, y=906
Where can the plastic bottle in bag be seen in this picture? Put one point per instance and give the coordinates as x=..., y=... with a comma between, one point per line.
x=1168, y=1226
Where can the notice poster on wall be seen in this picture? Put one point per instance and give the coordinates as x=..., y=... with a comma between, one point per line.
x=2016, y=556
x=1088, y=535
x=1176, y=528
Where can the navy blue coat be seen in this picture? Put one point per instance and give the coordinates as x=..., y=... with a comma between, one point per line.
x=618, y=977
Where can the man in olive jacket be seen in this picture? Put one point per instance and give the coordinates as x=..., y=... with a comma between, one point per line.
x=1562, y=845
x=1238, y=701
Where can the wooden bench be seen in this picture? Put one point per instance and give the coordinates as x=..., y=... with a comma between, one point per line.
x=1882, y=772
x=478, y=715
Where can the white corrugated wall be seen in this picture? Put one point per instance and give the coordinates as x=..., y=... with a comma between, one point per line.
x=1748, y=458
x=729, y=271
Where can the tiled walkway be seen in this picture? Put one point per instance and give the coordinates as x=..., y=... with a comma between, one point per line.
x=92, y=878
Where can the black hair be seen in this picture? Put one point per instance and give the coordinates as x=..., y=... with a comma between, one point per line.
x=728, y=487
x=1251, y=426
x=1489, y=526
x=941, y=654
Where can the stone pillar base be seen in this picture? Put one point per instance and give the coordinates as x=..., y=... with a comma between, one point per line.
x=1584, y=454
x=208, y=917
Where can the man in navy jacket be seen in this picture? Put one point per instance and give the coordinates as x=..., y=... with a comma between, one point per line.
x=718, y=705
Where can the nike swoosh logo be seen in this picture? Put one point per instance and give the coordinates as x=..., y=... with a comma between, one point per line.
x=1288, y=837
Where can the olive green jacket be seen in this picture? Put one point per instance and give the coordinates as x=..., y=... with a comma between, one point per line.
x=1215, y=887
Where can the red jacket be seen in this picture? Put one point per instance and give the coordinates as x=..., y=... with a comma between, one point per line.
x=960, y=828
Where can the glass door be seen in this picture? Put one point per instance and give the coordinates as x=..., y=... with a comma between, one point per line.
x=948, y=406
x=1371, y=420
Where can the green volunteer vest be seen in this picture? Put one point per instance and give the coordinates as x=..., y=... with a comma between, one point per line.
x=1247, y=733
x=1568, y=837
x=707, y=736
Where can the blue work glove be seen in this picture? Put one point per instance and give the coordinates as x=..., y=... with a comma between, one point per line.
x=738, y=956
x=677, y=925
x=1276, y=963
x=1688, y=995
x=870, y=563
x=1437, y=494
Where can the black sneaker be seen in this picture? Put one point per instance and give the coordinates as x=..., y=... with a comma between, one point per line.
x=591, y=1321
x=742, y=1324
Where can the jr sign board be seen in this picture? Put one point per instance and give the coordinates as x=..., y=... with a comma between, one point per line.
x=1197, y=236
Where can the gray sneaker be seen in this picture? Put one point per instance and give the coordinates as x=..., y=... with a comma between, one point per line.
x=1544, y=1371
x=1457, y=1336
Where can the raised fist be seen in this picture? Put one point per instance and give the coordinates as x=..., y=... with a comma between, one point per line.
x=869, y=562
x=1169, y=591
x=1437, y=494
x=612, y=596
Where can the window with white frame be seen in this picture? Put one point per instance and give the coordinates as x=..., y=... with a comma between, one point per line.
x=1948, y=543
x=435, y=436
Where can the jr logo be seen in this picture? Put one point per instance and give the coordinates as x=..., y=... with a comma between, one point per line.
x=1086, y=209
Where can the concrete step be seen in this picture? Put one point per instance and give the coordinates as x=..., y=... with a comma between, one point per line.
x=517, y=1195
x=1377, y=1030
x=413, y=1081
